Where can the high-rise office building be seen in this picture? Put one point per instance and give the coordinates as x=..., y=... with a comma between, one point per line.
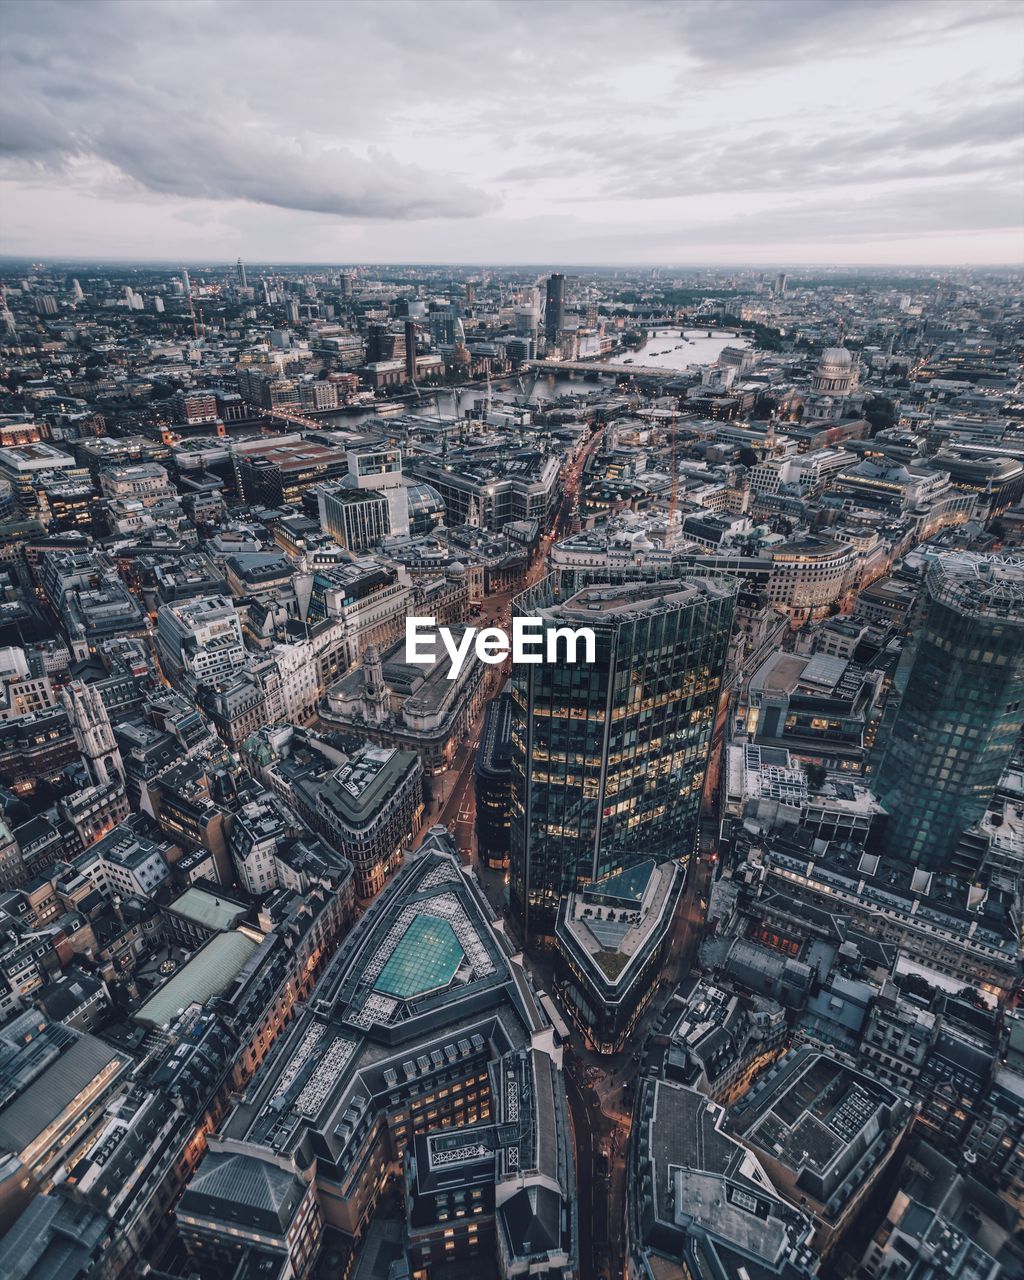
x=355, y=518
x=379, y=343
x=961, y=709
x=242, y=282
x=200, y=640
x=609, y=757
x=492, y=782
x=554, y=314
x=410, y=350
x=781, y=283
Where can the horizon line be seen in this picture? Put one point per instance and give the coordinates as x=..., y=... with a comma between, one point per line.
x=723, y=265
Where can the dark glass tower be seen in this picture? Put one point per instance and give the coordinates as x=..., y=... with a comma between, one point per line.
x=554, y=309
x=609, y=757
x=492, y=779
x=962, y=708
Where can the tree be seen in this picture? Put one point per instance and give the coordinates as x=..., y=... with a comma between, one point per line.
x=880, y=413
x=816, y=775
x=747, y=456
x=912, y=984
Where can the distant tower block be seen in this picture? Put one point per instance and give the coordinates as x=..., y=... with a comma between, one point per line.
x=243, y=283
x=554, y=311
x=93, y=733
x=410, y=350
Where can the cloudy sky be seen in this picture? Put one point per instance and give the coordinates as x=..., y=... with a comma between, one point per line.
x=582, y=131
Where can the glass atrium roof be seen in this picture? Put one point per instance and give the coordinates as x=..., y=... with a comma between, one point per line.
x=624, y=886
x=425, y=959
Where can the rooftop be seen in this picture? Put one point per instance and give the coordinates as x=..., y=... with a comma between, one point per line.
x=214, y=967
x=980, y=584
x=819, y=1119
x=206, y=909
x=694, y=1175
x=359, y=787
x=425, y=959
x=79, y=1065
x=621, y=918
x=622, y=603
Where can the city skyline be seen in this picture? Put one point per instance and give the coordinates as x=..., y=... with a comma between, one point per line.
x=697, y=951
x=694, y=134
x=512, y=639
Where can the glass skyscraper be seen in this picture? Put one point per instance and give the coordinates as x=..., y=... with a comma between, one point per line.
x=609, y=757
x=554, y=308
x=962, y=708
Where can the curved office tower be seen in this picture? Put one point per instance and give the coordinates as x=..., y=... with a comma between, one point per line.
x=609, y=757
x=954, y=732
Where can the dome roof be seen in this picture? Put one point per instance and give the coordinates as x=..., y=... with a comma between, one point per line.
x=837, y=356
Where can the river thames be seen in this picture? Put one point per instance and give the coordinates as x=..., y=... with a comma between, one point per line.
x=665, y=348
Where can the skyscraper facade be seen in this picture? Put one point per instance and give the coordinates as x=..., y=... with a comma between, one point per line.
x=961, y=710
x=554, y=312
x=410, y=350
x=609, y=757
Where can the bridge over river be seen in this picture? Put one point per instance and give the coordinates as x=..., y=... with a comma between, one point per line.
x=613, y=368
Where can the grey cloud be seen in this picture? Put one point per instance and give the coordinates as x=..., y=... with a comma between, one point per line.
x=783, y=32
x=934, y=211
x=985, y=138
x=172, y=139
x=420, y=112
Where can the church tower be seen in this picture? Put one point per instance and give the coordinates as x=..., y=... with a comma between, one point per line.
x=375, y=691
x=93, y=733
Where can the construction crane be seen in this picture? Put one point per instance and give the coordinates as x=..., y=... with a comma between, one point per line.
x=534, y=375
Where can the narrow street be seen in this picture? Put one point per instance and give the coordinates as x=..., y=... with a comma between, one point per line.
x=454, y=804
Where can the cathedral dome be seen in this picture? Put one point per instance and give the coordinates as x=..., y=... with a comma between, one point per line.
x=834, y=375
